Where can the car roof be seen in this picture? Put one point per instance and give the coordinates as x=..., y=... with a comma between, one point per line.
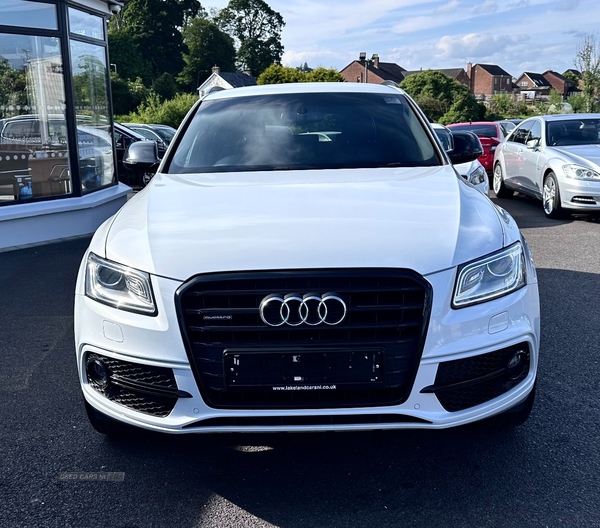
x=292, y=88
x=149, y=126
x=566, y=117
x=475, y=123
x=124, y=129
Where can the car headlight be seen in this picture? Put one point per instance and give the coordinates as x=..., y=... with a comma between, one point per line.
x=478, y=175
x=490, y=277
x=119, y=286
x=579, y=172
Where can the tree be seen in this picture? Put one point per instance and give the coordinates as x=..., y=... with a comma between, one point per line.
x=165, y=86
x=441, y=98
x=127, y=95
x=277, y=74
x=13, y=91
x=170, y=112
x=577, y=102
x=257, y=30
x=207, y=46
x=503, y=105
x=571, y=76
x=587, y=61
x=155, y=28
x=130, y=62
x=89, y=84
x=321, y=74
x=555, y=102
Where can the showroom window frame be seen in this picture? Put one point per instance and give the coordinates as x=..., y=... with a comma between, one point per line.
x=63, y=34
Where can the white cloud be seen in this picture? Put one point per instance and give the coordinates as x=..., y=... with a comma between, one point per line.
x=450, y=7
x=489, y=6
x=475, y=44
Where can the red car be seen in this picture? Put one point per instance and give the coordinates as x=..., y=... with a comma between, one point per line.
x=489, y=133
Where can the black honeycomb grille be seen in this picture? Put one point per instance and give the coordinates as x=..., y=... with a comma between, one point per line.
x=464, y=383
x=143, y=388
x=387, y=316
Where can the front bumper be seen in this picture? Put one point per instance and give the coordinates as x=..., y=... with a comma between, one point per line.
x=451, y=335
x=579, y=194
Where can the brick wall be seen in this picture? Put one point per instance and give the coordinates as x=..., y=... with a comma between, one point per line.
x=355, y=72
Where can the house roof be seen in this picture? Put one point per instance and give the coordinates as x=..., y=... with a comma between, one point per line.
x=493, y=69
x=554, y=74
x=388, y=71
x=226, y=79
x=237, y=80
x=450, y=72
x=538, y=79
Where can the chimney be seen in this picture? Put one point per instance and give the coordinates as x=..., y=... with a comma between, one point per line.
x=216, y=69
x=375, y=60
x=469, y=68
x=362, y=56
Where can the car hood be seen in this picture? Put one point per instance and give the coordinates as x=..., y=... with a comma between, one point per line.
x=582, y=154
x=425, y=219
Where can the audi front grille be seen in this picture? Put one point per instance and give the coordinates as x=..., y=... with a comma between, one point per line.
x=305, y=339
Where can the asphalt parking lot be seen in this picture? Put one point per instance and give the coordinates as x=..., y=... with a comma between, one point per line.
x=544, y=473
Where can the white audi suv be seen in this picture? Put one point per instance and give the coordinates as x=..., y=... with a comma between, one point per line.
x=306, y=259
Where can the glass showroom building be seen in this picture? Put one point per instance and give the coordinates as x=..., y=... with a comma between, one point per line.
x=57, y=158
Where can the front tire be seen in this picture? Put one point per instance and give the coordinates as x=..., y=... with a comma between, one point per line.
x=500, y=190
x=514, y=417
x=551, y=197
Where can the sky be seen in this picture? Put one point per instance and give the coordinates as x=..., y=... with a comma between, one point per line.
x=517, y=35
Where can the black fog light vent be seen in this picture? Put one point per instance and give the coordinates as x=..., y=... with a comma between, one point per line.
x=143, y=388
x=471, y=381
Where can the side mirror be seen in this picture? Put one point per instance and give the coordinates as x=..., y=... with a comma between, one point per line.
x=142, y=156
x=467, y=147
x=533, y=143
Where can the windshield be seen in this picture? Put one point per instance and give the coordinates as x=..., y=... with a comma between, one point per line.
x=303, y=131
x=479, y=130
x=165, y=133
x=444, y=137
x=573, y=132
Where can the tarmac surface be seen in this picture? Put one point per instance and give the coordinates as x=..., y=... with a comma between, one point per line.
x=57, y=471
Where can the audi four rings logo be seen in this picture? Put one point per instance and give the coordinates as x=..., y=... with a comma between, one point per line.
x=294, y=309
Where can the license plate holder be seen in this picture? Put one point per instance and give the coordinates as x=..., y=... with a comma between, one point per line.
x=266, y=369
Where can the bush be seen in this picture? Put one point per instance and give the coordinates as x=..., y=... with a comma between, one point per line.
x=170, y=112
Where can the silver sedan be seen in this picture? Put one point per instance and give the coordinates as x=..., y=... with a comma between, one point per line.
x=555, y=159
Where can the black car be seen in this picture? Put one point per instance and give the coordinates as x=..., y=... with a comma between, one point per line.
x=124, y=137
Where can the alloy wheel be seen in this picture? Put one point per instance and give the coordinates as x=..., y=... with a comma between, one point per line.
x=497, y=179
x=549, y=195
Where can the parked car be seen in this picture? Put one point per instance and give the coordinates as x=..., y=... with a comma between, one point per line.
x=489, y=133
x=124, y=137
x=162, y=134
x=271, y=279
x=508, y=125
x=35, y=138
x=554, y=158
x=471, y=171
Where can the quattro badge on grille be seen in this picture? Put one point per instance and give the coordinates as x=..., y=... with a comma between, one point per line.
x=295, y=309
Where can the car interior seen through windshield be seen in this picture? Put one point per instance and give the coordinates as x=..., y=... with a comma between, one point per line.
x=574, y=132
x=304, y=131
